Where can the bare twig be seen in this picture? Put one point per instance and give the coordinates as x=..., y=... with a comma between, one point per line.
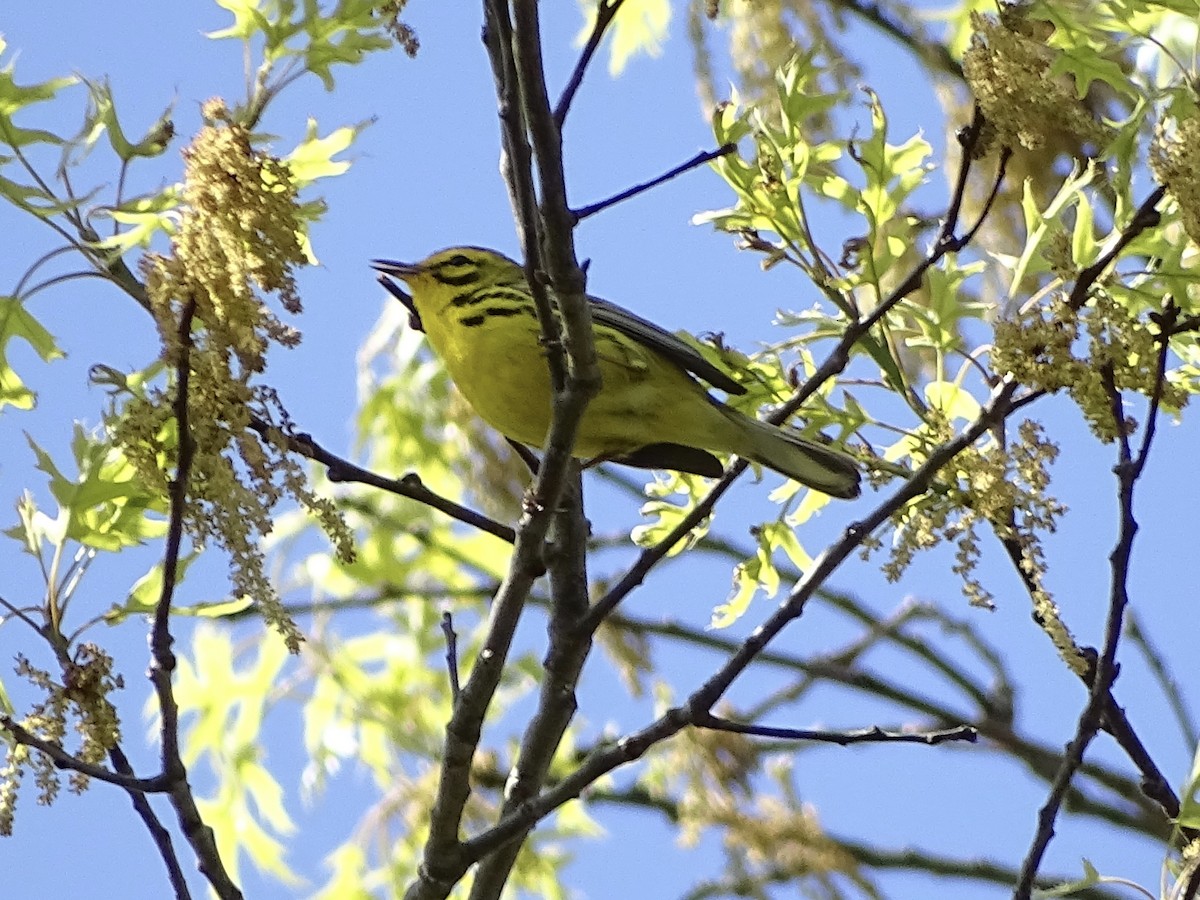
x=1104, y=673
x=932, y=52
x=698, y=160
x=606, y=11
x=158, y=833
x=1146, y=216
x=64, y=760
x=340, y=469
x=451, y=654
x=1168, y=684
x=873, y=735
x=1154, y=784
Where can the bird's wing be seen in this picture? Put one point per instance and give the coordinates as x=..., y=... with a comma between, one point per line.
x=682, y=354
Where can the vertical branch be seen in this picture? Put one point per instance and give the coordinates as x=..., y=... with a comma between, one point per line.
x=558, y=252
x=162, y=658
x=559, y=484
x=516, y=167
x=524, y=108
x=531, y=131
x=569, y=648
x=1104, y=673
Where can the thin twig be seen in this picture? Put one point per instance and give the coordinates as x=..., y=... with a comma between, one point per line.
x=340, y=469
x=606, y=11
x=698, y=160
x=1168, y=684
x=1146, y=216
x=873, y=735
x=64, y=760
x=1154, y=784
x=451, y=654
x=158, y=833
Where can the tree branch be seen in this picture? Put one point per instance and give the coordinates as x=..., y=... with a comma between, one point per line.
x=606, y=11
x=162, y=658
x=1105, y=671
x=158, y=833
x=633, y=746
x=872, y=735
x=1146, y=216
x=342, y=470
x=546, y=230
x=698, y=160
x=834, y=364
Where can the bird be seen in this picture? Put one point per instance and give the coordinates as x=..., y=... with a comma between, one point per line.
x=477, y=312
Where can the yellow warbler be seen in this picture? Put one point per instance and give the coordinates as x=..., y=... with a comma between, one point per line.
x=476, y=308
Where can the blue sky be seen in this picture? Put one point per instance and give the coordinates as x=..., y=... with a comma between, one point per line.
x=425, y=176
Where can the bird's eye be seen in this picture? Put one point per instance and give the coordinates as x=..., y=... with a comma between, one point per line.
x=459, y=260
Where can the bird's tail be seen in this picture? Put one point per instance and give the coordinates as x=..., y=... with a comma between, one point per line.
x=807, y=461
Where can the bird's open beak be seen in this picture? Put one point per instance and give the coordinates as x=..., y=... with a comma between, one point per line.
x=388, y=267
x=395, y=268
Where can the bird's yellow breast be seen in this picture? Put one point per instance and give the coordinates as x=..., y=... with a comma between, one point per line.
x=499, y=365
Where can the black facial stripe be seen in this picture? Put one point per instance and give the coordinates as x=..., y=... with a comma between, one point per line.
x=456, y=279
x=464, y=299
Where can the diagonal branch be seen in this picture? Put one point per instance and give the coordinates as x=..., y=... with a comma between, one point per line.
x=158, y=833
x=1146, y=216
x=834, y=364
x=340, y=469
x=699, y=159
x=605, y=759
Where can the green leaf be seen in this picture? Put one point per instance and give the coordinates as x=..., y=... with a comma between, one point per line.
x=14, y=97
x=247, y=20
x=314, y=157
x=952, y=400
x=102, y=119
x=1189, y=808
x=106, y=506
x=144, y=218
x=752, y=575
x=344, y=34
x=669, y=515
x=745, y=585
x=144, y=596
x=1091, y=878
x=16, y=322
x=1086, y=65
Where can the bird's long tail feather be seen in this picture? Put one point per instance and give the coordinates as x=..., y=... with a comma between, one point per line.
x=800, y=458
